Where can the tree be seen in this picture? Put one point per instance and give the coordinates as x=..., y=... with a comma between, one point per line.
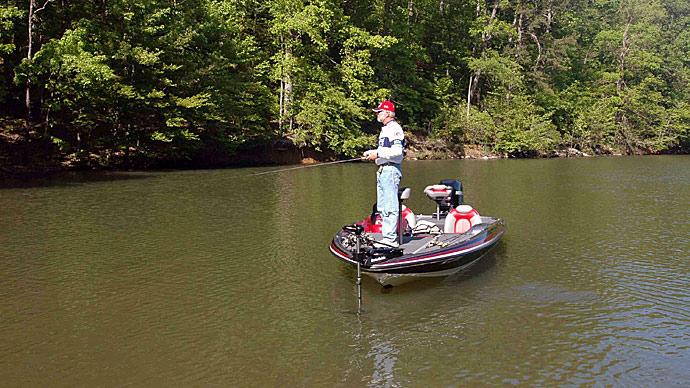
x=9, y=15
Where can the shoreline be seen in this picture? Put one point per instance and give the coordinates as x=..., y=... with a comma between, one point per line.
x=34, y=158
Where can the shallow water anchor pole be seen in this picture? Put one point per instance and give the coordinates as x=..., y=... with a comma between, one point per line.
x=359, y=272
x=359, y=288
x=358, y=230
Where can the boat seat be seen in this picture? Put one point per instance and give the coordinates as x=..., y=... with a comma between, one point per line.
x=461, y=219
x=404, y=193
x=409, y=221
x=445, y=196
x=438, y=193
x=408, y=217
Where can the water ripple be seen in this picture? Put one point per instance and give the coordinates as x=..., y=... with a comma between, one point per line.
x=215, y=278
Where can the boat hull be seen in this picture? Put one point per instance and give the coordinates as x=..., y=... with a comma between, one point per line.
x=396, y=279
x=431, y=262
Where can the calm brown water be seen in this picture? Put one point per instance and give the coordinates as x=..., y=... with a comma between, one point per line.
x=215, y=278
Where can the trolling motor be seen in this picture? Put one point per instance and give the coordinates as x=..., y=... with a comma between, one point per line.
x=357, y=254
x=366, y=256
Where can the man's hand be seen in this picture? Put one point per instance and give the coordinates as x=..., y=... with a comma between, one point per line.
x=371, y=155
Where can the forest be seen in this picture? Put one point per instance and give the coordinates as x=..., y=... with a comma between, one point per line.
x=143, y=82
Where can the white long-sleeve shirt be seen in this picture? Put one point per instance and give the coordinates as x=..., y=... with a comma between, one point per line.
x=391, y=140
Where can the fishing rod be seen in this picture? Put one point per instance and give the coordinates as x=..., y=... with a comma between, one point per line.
x=301, y=167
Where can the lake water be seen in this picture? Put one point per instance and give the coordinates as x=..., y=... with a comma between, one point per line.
x=219, y=278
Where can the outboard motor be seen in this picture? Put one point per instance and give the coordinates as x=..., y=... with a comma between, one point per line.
x=456, y=195
x=447, y=195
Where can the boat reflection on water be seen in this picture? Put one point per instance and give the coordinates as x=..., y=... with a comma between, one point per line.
x=384, y=336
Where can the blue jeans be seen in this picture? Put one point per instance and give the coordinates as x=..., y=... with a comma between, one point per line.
x=387, y=183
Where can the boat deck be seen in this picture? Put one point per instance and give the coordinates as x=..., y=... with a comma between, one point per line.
x=421, y=243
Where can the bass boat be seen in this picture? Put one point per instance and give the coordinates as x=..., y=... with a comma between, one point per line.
x=440, y=244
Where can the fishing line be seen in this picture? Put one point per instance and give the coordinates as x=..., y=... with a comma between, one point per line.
x=301, y=167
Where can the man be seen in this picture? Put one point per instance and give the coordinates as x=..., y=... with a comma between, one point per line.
x=388, y=157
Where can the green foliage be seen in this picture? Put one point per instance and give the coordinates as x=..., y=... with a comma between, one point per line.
x=172, y=80
x=8, y=18
x=356, y=69
x=74, y=74
x=521, y=128
x=9, y=15
x=515, y=127
x=329, y=117
x=453, y=124
x=595, y=123
x=502, y=73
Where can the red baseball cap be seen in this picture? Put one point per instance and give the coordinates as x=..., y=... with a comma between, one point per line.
x=385, y=105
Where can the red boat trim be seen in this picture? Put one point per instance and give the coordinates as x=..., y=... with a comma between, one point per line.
x=339, y=253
